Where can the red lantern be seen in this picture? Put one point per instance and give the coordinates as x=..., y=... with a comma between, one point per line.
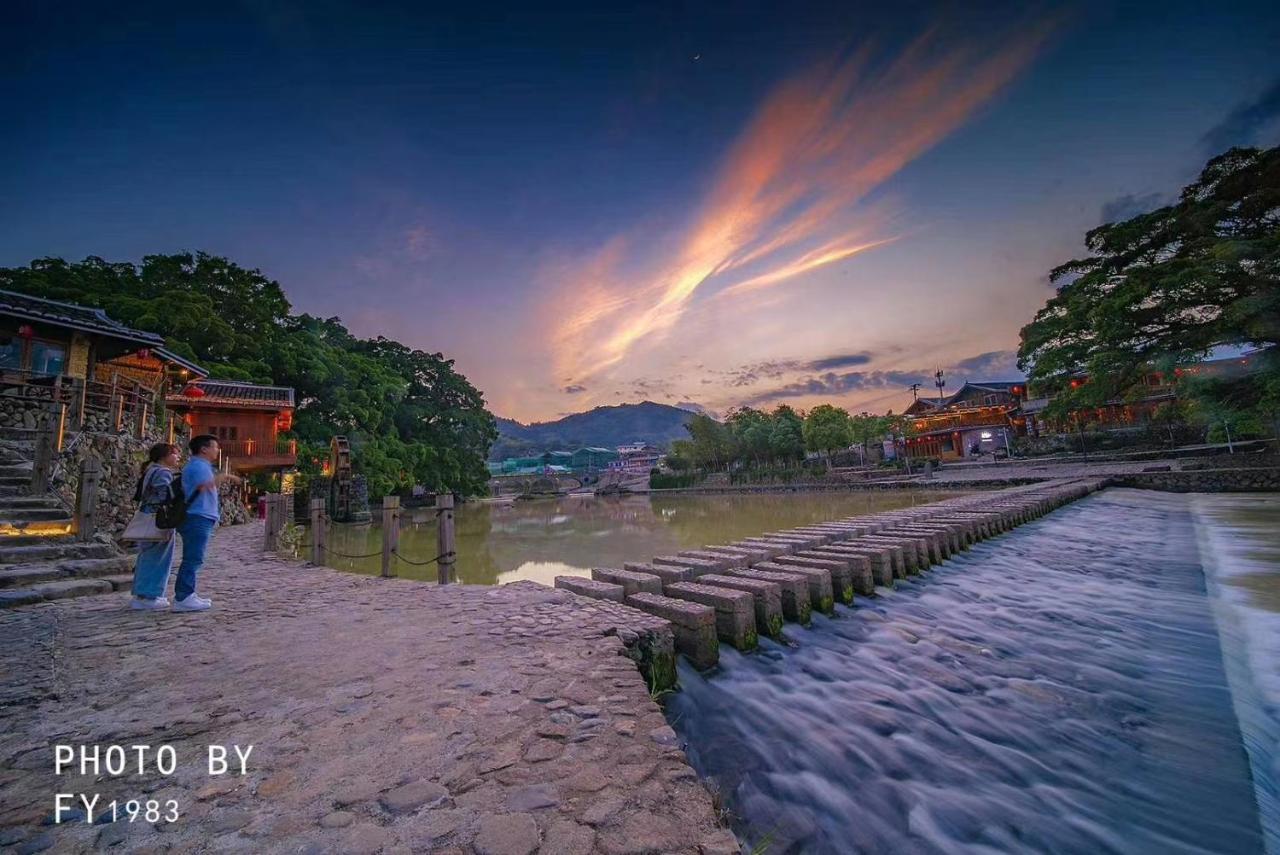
x=26, y=331
x=193, y=392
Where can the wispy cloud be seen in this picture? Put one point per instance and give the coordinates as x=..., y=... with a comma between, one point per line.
x=789, y=197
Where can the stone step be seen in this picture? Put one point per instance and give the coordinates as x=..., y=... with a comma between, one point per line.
x=821, y=592
x=795, y=592
x=45, y=591
x=54, y=550
x=858, y=568
x=14, y=516
x=19, y=500
x=591, y=588
x=668, y=575
x=767, y=597
x=693, y=624
x=35, y=538
x=735, y=610
x=15, y=480
x=631, y=582
x=17, y=575
x=16, y=471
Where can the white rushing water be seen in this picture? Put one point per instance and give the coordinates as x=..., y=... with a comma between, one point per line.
x=1239, y=537
x=1061, y=688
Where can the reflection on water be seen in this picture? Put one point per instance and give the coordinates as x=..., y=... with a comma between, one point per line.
x=542, y=539
x=1058, y=689
x=1240, y=541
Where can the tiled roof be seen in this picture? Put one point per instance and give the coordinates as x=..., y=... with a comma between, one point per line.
x=70, y=315
x=232, y=392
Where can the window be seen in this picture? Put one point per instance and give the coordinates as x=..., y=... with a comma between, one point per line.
x=11, y=352
x=48, y=357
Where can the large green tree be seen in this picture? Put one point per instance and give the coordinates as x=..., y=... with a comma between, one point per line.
x=1166, y=287
x=827, y=429
x=411, y=417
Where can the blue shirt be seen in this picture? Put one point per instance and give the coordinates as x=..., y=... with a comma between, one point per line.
x=198, y=471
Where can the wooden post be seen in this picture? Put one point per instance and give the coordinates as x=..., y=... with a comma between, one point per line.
x=390, y=534
x=42, y=466
x=82, y=404
x=87, y=498
x=142, y=421
x=317, y=531
x=444, y=528
x=271, y=523
x=117, y=413
x=59, y=428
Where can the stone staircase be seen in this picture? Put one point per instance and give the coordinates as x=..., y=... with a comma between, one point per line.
x=40, y=558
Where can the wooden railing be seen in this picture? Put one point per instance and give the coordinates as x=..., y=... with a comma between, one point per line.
x=127, y=404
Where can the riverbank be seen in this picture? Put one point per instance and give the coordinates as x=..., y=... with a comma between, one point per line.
x=385, y=715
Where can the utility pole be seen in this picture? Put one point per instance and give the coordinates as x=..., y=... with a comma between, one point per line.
x=939, y=380
x=915, y=391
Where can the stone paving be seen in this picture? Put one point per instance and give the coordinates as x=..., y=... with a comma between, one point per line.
x=384, y=715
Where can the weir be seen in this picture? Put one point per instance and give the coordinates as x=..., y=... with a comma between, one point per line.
x=734, y=592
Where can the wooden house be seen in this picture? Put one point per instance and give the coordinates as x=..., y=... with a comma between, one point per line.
x=247, y=418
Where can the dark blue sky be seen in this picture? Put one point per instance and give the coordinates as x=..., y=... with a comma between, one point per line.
x=541, y=191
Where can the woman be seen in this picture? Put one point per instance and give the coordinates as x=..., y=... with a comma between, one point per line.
x=151, y=573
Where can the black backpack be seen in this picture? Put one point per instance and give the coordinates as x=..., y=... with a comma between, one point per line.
x=173, y=510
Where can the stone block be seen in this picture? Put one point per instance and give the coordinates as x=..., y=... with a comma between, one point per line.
x=591, y=588
x=895, y=553
x=692, y=624
x=793, y=587
x=821, y=591
x=735, y=611
x=697, y=566
x=723, y=560
x=857, y=569
x=881, y=559
x=773, y=547
x=766, y=595
x=668, y=575
x=752, y=554
x=912, y=561
x=631, y=582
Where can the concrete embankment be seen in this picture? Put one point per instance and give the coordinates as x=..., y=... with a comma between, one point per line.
x=732, y=593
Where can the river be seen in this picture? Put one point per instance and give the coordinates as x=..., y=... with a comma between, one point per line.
x=545, y=538
x=1061, y=688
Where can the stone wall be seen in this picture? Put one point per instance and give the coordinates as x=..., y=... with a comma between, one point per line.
x=1204, y=481
x=21, y=413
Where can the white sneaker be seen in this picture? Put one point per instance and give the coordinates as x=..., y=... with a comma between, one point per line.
x=192, y=604
x=142, y=604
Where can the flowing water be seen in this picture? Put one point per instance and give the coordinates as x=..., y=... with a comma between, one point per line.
x=1061, y=688
x=545, y=538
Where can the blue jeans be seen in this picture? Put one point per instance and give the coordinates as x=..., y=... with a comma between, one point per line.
x=196, y=531
x=151, y=572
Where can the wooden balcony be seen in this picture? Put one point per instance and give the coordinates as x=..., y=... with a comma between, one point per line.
x=247, y=454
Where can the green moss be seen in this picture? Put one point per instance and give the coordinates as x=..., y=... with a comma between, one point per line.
x=806, y=614
x=775, y=627
x=750, y=640
x=846, y=594
x=660, y=673
x=827, y=605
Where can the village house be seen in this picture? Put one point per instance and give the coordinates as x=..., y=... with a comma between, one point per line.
x=979, y=418
x=247, y=418
x=83, y=367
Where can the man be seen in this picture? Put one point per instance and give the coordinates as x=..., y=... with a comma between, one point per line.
x=200, y=484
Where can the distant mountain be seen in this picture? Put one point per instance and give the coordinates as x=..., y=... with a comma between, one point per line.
x=656, y=424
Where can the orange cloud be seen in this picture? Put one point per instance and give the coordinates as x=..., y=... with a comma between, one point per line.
x=789, y=197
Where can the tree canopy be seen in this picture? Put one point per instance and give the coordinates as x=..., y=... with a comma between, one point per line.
x=411, y=417
x=1166, y=287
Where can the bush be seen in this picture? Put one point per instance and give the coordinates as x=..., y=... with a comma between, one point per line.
x=670, y=481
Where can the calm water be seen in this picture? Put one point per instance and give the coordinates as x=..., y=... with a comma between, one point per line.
x=545, y=538
x=1059, y=689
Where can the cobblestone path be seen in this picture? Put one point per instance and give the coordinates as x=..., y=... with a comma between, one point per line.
x=384, y=715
